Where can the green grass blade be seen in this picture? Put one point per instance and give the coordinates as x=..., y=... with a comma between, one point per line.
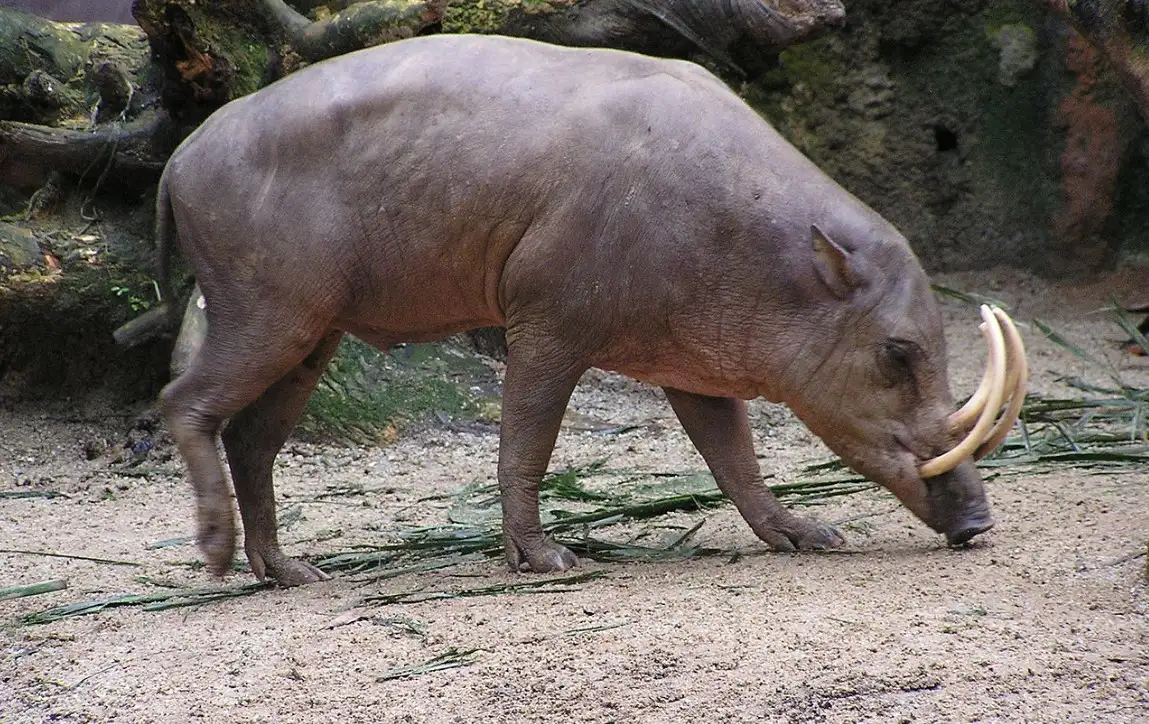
x=170, y=542
x=548, y=585
x=636, y=511
x=32, y=589
x=198, y=597
x=1064, y=343
x=426, y=566
x=971, y=298
x=1130, y=328
x=149, y=602
x=22, y=494
x=70, y=556
x=578, y=630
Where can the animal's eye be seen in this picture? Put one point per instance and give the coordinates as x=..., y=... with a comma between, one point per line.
x=898, y=354
x=896, y=360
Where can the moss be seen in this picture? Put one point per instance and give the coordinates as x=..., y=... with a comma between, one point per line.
x=481, y=16
x=248, y=57
x=996, y=14
x=250, y=60
x=810, y=63
x=28, y=43
x=795, y=94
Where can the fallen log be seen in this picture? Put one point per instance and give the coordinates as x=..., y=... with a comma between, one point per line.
x=136, y=151
x=52, y=73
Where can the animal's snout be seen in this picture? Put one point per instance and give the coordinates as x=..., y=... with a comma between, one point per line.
x=958, y=507
x=967, y=527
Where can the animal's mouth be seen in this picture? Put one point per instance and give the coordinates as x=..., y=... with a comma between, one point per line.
x=969, y=528
x=907, y=447
x=911, y=454
x=949, y=503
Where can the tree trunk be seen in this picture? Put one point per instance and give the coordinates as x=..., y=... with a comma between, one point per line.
x=214, y=52
x=137, y=149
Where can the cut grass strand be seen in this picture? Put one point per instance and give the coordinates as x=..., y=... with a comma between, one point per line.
x=32, y=589
x=23, y=494
x=1123, y=321
x=1064, y=343
x=971, y=298
x=170, y=542
x=452, y=658
x=149, y=602
x=549, y=585
x=108, y=561
x=591, y=629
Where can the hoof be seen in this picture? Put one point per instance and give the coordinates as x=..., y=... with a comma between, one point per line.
x=546, y=558
x=217, y=541
x=819, y=537
x=799, y=534
x=286, y=571
x=298, y=573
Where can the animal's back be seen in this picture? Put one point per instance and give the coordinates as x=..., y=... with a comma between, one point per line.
x=441, y=156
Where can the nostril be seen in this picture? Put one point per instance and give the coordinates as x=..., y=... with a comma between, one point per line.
x=963, y=533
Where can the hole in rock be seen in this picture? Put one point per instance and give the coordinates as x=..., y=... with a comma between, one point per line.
x=946, y=139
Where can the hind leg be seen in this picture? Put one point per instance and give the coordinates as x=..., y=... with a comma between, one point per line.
x=252, y=439
x=236, y=364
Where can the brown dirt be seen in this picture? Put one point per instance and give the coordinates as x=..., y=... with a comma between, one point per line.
x=1044, y=619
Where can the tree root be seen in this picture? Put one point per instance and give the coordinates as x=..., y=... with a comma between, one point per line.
x=135, y=151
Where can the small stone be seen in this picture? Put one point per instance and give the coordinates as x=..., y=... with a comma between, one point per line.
x=19, y=250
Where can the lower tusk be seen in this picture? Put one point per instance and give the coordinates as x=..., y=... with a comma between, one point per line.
x=981, y=429
x=1016, y=384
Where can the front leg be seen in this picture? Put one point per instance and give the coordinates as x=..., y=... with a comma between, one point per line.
x=720, y=429
x=536, y=390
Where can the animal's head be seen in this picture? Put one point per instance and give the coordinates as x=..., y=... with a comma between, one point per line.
x=880, y=396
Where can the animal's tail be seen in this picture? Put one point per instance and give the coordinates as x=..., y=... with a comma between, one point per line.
x=162, y=318
x=165, y=239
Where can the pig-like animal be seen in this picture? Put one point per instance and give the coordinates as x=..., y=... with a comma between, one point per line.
x=610, y=210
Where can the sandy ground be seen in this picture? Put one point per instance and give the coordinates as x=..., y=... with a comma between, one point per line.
x=1043, y=619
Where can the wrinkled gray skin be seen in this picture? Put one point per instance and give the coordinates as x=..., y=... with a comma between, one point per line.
x=611, y=210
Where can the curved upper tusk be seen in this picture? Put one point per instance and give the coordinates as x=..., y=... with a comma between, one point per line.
x=960, y=421
x=1018, y=378
x=997, y=358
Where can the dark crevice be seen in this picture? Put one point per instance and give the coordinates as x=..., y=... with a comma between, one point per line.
x=946, y=139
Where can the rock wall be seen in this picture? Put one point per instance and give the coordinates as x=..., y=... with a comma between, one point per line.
x=988, y=132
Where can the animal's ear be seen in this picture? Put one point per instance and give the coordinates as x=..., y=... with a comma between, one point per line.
x=833, y=264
